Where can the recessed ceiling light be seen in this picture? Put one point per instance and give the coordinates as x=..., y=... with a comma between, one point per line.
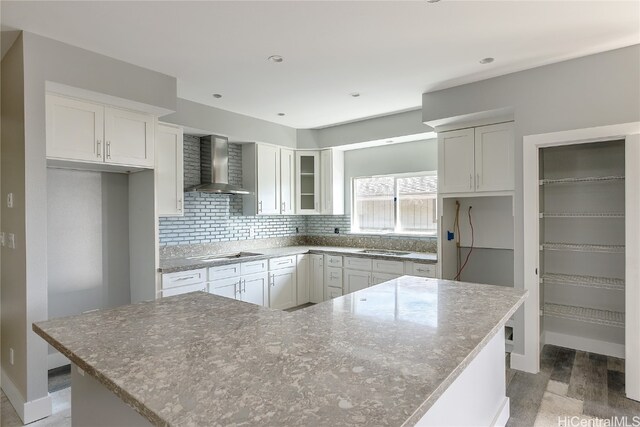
x=217, y=95
x=487, y=60
x=355, y=94
x=281, y=114
x=389, y=141
x=433, y=1
x=275, y=58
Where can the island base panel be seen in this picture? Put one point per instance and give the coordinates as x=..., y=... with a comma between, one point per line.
x=478, y=396
x=92, y=404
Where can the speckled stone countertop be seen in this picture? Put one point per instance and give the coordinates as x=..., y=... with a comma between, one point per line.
x=380, y=356
x=182, y=264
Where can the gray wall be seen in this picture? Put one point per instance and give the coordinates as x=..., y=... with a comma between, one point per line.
x=389, y=126
x=13, y=270
x=595, y=90
x=238, y=127
x=87, y=241
x=49, y=60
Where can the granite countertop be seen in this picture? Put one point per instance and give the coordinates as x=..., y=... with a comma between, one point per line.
x=380, y=356
x=182, y=264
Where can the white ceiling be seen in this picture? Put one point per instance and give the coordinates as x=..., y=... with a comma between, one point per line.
x=388, y=51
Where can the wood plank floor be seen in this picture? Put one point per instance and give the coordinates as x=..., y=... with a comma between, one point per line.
x=570, y=384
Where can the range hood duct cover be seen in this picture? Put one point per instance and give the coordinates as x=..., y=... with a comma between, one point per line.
x=214, y=167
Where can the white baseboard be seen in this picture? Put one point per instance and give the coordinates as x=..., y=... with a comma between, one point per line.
x=502, y=417
x=27, y=411
x=522, y=363
x=584, y=344
x=56, y=360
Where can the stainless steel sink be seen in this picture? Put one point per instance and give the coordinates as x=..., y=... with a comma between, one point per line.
x=384, y=252
x=219, y=257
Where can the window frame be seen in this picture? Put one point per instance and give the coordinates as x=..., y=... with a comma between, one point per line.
x=355, y=226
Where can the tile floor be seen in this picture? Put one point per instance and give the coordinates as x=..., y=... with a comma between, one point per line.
x=570, y=384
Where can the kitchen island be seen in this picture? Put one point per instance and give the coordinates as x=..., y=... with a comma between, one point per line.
x=410, y=351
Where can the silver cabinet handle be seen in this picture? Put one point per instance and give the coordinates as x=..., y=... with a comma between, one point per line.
x=284, y=207
x=260, y=206
x=179, y=279
x=477, y=181
x=179, y=204
x=108, y=149
x=98, y=148
x=470, y=181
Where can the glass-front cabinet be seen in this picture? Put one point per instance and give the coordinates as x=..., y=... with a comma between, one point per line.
x=308, y=182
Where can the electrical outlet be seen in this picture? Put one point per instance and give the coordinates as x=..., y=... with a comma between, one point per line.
x=336, y=230
x=12, y=241
x=297, y=230
x=252, y=232
x=10, y=200
x=11, y=356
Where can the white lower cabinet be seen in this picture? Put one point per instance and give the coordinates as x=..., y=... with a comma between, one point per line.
x=316, y=278
x=184, y=289
x=377, y=278
x=302, y=276
x=282, y=288
x=225, y=287
x=255, y=289
x=334, y=293
x=421, y=270
x=355, y=280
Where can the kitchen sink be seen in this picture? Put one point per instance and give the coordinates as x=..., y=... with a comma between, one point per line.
x=384, y=252
x=219, y=257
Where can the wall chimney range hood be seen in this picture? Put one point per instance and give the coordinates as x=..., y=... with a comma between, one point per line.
x=214, y=167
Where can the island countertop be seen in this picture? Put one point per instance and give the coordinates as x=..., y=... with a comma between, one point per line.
x=380, y=356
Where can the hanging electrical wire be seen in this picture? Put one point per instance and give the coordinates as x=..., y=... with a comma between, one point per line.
x=470, y=249
x=456, y=232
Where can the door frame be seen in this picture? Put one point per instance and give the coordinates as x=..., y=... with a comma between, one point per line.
x=530, y=360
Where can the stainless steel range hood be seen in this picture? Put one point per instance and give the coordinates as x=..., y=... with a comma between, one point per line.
x=214, y=167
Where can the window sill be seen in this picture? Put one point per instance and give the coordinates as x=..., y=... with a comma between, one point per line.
x=392, y=234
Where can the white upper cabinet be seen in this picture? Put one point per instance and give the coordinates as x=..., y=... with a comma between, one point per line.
x=287, y=181
x=307, y=182
x=75, y=129
x=332, y=182
x=494, y=157
x=476, y=159
x=268, y=182
x=169, y=170
x=86, y=132
x=129, y=137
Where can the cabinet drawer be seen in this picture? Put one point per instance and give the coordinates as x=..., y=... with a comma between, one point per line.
x=357, y=263
x=183, y=278
x=178, y=290
x=253, y=267
x=282, y=262
x=224, y=271
x=333, y=293
x=333, y=277
x=377, y=278
x=333, y=260
x=423, y=270
x=390, y=267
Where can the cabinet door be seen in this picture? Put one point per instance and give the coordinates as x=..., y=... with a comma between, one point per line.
x=129, y=138
x=226, y=287
x=316, y=278
x=354, y=280
x=287, y=181
x=456, y=172
x=75, y=129
x=377, y=278
x=494, y=157
x=282, y=292
x=332, y=182
x=334, y=293
x=268, y=182
x=169, y=170
x=255, y=289
x=307, y=182
x=302, y=279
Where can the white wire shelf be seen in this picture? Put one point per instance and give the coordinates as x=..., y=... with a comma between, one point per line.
x=575, y=247
x=583, y=281
x=583, y=179
x=581, y=215
x=584, y=314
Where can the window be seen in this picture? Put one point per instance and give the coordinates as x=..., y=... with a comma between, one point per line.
x=402, y=204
